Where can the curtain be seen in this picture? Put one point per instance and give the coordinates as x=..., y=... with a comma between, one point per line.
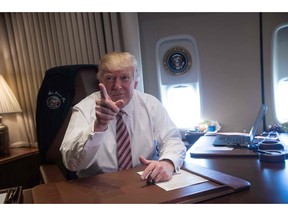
x=31, y=43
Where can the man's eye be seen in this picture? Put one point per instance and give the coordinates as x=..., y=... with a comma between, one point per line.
x=109, y=79
x=125, y=78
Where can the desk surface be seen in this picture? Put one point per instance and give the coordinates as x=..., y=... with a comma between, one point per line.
x=126, y=187
x=269, y=181
x=17, y=153
x=20, y=168
x=204, y=148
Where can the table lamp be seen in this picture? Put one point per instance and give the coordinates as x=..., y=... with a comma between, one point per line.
x=8, y=105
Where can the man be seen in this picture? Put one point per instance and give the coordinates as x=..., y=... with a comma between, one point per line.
x=90, y=142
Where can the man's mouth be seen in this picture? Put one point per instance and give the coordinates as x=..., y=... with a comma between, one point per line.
x=118, y=95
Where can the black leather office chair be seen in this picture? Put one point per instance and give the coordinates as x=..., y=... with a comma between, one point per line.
x=61, y=89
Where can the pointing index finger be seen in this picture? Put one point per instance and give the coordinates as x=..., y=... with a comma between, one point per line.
x=103, y=91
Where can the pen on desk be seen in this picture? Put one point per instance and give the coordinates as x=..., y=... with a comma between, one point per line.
x=12, y=194
x=149, y=181
x=15, y=193
x=9, y=196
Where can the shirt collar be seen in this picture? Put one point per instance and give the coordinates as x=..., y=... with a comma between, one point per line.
x=128, y=109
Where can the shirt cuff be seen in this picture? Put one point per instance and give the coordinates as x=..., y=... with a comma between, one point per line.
x=176, y=168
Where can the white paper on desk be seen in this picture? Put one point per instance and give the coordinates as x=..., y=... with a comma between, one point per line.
x=179, y=180
x=2, y=198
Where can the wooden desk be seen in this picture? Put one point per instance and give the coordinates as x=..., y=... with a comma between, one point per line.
x=204, y=148
x=18, y=153
x=269, y=181
x=20, y=168
x=269, y=184
x=127, y=187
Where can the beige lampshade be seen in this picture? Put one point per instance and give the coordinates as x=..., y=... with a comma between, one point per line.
x=8, y=105
x=8, y=101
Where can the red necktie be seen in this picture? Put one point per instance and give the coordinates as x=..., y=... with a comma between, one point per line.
x=123, y=143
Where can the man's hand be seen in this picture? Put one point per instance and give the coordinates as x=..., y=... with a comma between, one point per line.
x=157, y=171
x=105, y=110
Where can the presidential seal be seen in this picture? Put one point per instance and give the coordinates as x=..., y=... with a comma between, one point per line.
x=54, y=100
x=177, y=61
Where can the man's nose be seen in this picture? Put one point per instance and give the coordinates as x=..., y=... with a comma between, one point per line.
x=117, y=83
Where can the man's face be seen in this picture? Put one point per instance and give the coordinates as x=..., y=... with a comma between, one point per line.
x=120, y=84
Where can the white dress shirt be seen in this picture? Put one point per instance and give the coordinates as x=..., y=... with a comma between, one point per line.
x=151, y=130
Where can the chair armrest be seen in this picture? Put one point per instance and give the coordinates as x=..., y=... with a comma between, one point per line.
x=51, y=173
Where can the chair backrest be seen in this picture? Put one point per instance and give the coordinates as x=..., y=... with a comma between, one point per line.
x=61, y=89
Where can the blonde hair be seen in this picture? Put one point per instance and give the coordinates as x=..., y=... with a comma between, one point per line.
x=117, y=61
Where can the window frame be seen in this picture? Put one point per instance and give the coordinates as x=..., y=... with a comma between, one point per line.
x=278, y=73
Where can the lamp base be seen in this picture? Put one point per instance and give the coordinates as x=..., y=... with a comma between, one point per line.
x=4, y=140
